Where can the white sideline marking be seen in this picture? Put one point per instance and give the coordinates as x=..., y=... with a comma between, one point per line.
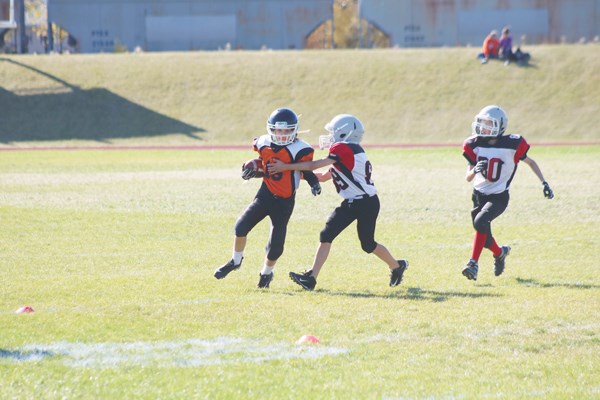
x=185, y=353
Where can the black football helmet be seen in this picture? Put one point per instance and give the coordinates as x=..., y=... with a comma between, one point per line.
x=282, y=119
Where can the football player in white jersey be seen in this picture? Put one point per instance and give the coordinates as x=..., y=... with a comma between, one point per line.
x=351, y=174
x=493, y=158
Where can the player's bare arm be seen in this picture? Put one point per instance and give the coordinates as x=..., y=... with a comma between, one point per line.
x=470, y=173
x=279, y=166
x=535, y=168
x=323, y=177
x=548, y=193
x=472, y=170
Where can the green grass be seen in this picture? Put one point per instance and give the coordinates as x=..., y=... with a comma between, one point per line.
x=203, y=98
x=116, y=250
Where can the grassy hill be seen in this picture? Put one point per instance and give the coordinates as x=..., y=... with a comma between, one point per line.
x=207, y=98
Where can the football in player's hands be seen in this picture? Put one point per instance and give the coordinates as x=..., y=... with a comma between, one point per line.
x=253, y=169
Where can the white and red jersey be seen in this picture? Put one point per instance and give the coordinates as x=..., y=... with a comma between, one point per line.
x=351, y=173
x=502, y=157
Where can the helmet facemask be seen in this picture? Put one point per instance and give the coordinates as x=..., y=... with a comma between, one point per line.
x=486, y=127
x=282, y=134
x=325, y=141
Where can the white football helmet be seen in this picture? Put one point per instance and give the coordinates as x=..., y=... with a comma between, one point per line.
x=342, y=128
x=282, y=119
x=490, y=122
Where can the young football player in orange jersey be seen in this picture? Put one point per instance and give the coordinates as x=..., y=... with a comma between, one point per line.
x=493, y=159
x=351, y=174
x=276, y=195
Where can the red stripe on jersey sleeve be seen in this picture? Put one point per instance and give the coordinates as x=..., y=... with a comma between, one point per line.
x=342, y=153
x=522, y=150
x=469, y=154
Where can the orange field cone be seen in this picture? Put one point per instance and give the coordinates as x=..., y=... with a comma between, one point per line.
x=308, y=339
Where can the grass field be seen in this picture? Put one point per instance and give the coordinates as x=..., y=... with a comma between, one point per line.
x=204, y=98
x=115, y=251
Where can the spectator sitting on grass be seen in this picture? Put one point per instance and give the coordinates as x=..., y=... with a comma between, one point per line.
x=491, y=45
x=506, y=52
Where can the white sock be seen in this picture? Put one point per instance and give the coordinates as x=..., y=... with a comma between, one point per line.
x=266, y=270
x=237, y=257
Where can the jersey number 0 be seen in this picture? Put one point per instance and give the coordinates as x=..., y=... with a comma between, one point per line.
x=494, y=168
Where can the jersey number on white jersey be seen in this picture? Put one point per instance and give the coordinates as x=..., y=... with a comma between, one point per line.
x=494, y=168
x=341, y=184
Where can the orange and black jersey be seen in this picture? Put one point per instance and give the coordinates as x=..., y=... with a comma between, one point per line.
x=284, y=184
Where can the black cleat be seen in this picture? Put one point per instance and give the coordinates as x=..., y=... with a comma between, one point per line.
x=264, y=281
x=500, y=260
x=471, y=270
x=305, y=280
x=222, y=272
x=396, y=275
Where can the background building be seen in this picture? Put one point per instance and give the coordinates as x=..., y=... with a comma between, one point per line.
x=419, y=23
x=93, y=26
x=157, y=25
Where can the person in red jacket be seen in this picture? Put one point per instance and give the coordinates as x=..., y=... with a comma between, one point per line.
x=491, y=45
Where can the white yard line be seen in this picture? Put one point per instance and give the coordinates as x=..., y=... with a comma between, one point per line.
x=166, y=354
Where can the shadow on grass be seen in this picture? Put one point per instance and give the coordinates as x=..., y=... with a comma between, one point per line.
x=20, y=355
x=69, y=112
x=536, y=283
x=412, y=293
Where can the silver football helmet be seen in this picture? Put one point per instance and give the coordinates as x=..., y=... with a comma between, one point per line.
x=342, y=128
x=490, y=122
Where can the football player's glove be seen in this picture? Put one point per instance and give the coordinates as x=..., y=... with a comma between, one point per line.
x=481, y=166
x=248, y=173
x=316, y=189
x=548, y=193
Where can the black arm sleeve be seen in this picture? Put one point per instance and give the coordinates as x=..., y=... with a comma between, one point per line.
x=310, y=178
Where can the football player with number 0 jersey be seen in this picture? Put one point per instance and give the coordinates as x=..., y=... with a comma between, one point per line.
x=350, y=170
x=276, y=195
x=493, y=158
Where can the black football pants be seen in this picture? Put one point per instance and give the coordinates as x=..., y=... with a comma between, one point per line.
x=364, y=211
x=278, y=209
x=486, y=208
